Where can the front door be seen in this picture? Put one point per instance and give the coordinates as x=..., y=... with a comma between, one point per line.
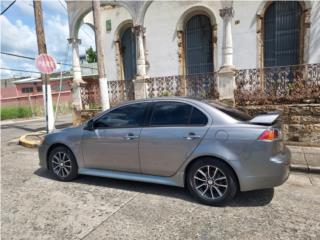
x=114, y=142
x=174, y=131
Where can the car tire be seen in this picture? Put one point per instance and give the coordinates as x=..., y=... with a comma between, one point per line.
x=62, y=164
x=216, y=188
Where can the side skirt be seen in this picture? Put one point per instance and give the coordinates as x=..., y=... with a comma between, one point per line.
x=172, y=181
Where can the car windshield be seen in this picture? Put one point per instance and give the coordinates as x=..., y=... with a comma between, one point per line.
x=230, y=111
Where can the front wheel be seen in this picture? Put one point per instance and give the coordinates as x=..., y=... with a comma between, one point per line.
x=211, y=182
x=62, y=164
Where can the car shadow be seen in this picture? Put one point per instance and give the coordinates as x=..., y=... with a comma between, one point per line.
x=242, y=199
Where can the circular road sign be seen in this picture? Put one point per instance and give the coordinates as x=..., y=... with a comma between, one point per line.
x=46, y=63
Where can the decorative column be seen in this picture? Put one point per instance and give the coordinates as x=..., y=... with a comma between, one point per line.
x=77, y=80
x=139, y=82
x=181, y=58
x=226, y=74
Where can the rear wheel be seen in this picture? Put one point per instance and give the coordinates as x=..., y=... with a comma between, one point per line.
x=211, y=182
x=62, y=164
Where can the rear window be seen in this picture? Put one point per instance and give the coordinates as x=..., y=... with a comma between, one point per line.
x=230, y=111
x=235, y=113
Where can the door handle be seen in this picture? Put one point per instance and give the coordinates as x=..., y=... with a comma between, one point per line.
x=130, y=136
x=192, y=136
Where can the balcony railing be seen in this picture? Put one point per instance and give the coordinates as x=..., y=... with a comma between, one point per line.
x=277, y=85
x=197, y=86
x=119, y=91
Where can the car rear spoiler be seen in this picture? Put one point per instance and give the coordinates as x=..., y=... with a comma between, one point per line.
x=267, y=119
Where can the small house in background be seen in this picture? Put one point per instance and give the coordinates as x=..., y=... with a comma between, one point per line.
x=28, y=91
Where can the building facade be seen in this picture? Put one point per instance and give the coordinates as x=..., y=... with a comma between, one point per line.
x=190, y=37
x=258, y=53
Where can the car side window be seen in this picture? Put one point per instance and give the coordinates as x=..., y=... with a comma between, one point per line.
x=198, y=118
x=170, y=113
x=123, y=117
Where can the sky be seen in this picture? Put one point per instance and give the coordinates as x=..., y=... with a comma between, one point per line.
x=18, y=35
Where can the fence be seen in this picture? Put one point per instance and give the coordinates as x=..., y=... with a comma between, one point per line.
x=119, y=91
x=196, y=86
x=277, y=85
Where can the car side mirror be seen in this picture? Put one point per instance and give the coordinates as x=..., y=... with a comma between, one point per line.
x=89, y=126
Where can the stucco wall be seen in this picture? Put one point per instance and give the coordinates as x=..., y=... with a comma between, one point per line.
x=314, y=43
x=245, y=53
x=161, y=21
x=117, y=15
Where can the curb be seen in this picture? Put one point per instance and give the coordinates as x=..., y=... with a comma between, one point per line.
x=30, y=143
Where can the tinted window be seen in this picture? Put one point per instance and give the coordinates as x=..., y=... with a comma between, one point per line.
x=198, y=118
x=128, y=116
x=170, y=113
x=236, y=114
x=232, y=112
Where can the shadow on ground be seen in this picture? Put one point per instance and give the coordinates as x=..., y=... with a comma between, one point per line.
x=243, y=199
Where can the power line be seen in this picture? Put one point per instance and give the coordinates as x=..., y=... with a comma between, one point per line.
x=18, y=70
x=32, y=58
x=8, y=7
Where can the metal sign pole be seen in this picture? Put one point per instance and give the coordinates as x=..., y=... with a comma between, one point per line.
x=46, y=101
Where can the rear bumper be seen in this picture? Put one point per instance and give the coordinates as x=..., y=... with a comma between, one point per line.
x=276, y=172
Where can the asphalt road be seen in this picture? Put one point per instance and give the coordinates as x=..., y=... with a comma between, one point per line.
x=34, y=206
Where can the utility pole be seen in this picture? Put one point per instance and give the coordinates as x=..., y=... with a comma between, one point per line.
x=42, y=48
x=100, y=56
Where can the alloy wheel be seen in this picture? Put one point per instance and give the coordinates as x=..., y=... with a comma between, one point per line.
x=61, y=164
x=210, y=182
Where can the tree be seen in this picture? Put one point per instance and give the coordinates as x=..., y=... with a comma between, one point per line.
x=91, y=55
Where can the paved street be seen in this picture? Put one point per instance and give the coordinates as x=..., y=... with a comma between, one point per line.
x=34, y=206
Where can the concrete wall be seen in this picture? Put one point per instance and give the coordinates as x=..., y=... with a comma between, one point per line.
x=161, y=20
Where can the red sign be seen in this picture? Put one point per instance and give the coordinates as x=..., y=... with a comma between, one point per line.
x=46, y=63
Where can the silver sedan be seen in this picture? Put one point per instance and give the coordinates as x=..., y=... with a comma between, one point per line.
x=211, y=149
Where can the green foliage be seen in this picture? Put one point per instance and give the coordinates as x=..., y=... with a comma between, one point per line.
x=91, y=55
x=165, y=94
x=15, y=112
x=26, y=111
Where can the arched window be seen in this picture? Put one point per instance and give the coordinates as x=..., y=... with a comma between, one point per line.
x=198, y=45
x=282, y=22
x=128, y=53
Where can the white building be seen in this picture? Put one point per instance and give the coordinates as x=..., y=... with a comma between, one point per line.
x=168, y=38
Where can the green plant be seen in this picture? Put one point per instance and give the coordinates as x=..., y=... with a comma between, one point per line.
x=15, y=112
x=91, y=55
x=165, y=94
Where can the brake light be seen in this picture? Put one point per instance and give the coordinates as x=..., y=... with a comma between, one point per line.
x=269, y=135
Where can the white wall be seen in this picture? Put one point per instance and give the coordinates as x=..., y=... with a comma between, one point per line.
x=245, y=53
x=161, y=21
x=314, y=43
x=117, y=15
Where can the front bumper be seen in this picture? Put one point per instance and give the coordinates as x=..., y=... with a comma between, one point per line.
x=276, y=172
x=42, y=152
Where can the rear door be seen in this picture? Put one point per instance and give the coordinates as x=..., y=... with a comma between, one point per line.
x=175, y=129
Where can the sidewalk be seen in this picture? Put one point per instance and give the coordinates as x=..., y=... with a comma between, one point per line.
x=60, y=117
x=305, y=158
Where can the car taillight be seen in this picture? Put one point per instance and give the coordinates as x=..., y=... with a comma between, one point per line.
x=269, y=135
